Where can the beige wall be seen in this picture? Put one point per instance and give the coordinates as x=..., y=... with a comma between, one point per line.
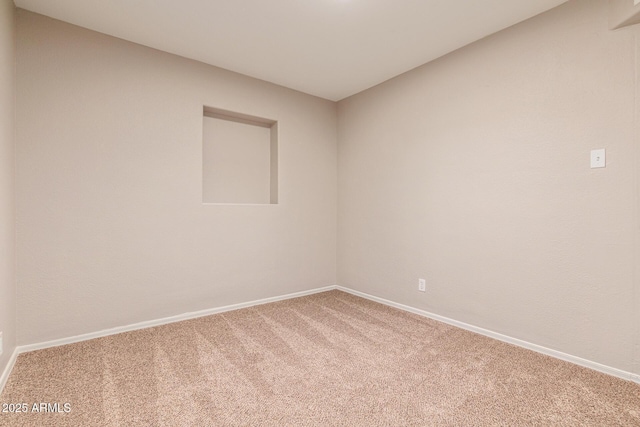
x=236, y=161
x=473, y=172
x=623, y=12
x=111, y=225
x=636, y=286
x=7, y=195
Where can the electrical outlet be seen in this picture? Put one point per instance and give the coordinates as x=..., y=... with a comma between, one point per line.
x=422, y=285
x=598, y=158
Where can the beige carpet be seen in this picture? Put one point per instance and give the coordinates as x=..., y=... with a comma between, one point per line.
x=329, y=359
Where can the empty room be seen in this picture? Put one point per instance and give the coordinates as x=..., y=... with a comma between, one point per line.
x=319, y=213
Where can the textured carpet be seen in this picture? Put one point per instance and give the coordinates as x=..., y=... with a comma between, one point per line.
x=330, y=359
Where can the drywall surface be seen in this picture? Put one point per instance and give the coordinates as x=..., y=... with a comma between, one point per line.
x=623, y=13
x=110, y=221
x=473, y=172
x=236, y=160
x=636, y=304
x=7, y=188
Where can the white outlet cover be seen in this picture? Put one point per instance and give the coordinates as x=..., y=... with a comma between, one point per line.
x=598, y=158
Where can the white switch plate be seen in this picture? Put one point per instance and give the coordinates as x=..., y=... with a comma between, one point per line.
x=422, y=285
x=598, y=158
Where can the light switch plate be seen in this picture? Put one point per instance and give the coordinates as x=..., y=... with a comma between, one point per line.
x=598, y=158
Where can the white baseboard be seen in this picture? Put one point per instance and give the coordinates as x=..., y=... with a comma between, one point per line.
x=164, y=321
x=505, y=338
x=7, y=370
x=192, y=315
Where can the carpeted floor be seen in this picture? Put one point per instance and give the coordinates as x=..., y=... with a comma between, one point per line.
x=330, y=359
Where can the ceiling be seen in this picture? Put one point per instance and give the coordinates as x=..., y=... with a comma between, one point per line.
x=328, y=48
